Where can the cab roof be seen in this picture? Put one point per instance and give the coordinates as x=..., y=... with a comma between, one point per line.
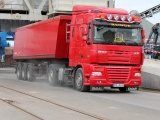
x=78, y=9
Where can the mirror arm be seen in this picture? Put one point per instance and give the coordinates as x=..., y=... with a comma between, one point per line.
x=88, y=42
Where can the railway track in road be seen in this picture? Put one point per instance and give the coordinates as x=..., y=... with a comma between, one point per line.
x=10, y=102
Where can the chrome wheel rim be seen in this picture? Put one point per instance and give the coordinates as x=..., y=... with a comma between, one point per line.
x=79, y=80
x=28, y=75
x=50, y=77
x=18, y=73
x=22, y=73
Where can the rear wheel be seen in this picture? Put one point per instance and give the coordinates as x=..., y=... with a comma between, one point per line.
x=24, y=72
x=79, y=81
x=30, y=74
x=19, y=71
x=52, y=75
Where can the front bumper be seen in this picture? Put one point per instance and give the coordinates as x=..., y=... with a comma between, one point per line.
x=114, y=75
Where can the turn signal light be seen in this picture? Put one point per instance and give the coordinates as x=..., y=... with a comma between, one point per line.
x=136, y=18
x=102, y=16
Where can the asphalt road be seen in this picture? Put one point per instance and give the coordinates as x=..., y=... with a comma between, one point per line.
x=107, y=105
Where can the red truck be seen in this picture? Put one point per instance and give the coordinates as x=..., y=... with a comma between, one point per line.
x=93, y=48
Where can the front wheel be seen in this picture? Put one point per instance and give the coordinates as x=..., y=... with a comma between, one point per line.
x=79, y=81
x=52, y=75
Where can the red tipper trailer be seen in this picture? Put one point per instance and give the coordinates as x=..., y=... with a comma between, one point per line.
x=91, y=49
x=45, y=39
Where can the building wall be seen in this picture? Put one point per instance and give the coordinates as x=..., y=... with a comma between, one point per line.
x=11, y=25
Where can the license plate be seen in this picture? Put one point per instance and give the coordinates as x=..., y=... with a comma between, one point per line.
x=132, y=88
x=97, y=88
x=118, y=85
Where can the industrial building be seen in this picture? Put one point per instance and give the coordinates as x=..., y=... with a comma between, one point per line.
x=16, y=13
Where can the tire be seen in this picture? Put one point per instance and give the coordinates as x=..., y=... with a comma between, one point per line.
x=19, y=71
x=123, y=89
x=156, y=56
x=24, y=72
x=30, y=74
x=79, y=81
x=52, y=75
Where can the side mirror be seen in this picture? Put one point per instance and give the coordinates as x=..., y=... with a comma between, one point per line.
x=85, y=37
x=143, y=36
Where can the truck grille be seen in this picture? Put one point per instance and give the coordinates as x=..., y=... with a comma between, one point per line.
x=119, y=56
x=118, y=75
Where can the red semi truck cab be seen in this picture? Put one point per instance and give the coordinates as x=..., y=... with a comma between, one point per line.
x=107, y=44
x=102, y=47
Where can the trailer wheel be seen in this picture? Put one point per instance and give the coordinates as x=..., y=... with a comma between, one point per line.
x=79, y=81
x=123, y=89
x=19, y=71
x=24, y=72
x=30, y=76
x=52, y=75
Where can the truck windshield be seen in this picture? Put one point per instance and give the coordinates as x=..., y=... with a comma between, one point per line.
x=120, y=36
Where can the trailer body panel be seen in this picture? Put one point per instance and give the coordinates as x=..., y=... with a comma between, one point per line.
x=41, y=40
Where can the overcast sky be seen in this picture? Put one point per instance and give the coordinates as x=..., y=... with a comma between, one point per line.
x=140, y=6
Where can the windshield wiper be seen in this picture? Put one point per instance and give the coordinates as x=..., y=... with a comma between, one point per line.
x=103, y=42
x=100, y=28
x=132, y=42
x=119, y=43
x=107, y=42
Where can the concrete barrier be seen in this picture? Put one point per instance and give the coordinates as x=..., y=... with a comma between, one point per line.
x=150, y=81
x=151, y=74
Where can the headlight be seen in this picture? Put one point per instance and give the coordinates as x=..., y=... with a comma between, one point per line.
x=129, y=18
x=137, y=74
x=96, y=74
x=123, y=17
x=109, y=16
x=116, y=17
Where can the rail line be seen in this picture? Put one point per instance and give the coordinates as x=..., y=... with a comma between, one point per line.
x=10, y=102
x=51, y=102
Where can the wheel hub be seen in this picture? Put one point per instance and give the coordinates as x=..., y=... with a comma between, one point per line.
x=50, y=76
x=79, y=80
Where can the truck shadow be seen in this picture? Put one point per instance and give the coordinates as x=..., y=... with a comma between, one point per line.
x=106, y=90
